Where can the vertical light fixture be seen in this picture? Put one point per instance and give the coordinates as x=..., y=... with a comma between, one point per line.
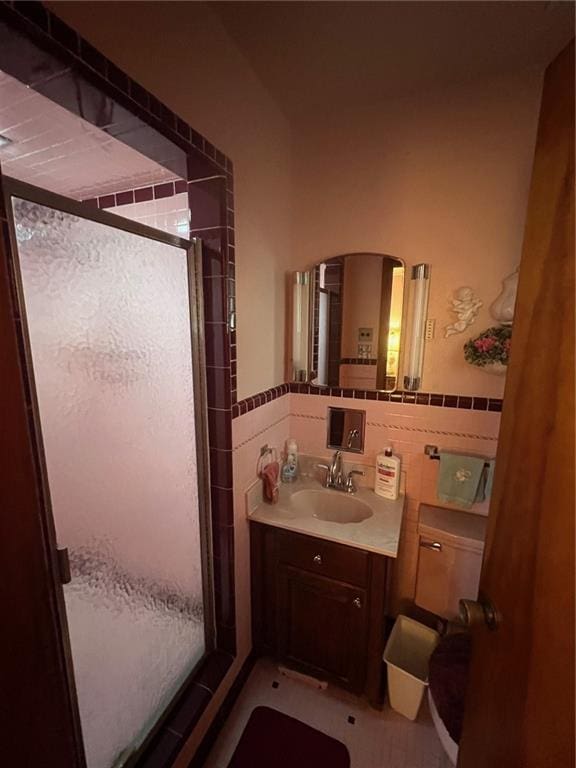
x=300, y=328
x=420, y=282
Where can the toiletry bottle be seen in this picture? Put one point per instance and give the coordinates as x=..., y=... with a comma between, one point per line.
x=290, y=467
x=387, y=481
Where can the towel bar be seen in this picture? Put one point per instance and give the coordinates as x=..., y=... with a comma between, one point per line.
x=432, y=452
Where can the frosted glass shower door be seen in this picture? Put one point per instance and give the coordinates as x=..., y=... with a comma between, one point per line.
x=108, y=319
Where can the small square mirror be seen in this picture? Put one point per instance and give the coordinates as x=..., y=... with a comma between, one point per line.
x=346, y=429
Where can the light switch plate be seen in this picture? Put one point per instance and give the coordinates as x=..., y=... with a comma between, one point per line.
x=430, y=329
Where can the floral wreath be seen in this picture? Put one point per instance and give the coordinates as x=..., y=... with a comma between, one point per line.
x=491, y=346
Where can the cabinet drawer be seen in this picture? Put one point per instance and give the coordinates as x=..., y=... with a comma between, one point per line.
x=335, y=561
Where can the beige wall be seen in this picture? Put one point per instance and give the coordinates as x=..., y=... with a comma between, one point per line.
x=361, y=301
x=181, y=53
x=440, y=177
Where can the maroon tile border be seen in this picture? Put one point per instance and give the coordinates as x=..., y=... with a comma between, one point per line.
x=358, y=361
x=139, y=194
x=41, y=50
x=255, y=401
x=464, y=402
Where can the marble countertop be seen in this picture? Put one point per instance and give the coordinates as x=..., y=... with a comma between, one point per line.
x=379, y=533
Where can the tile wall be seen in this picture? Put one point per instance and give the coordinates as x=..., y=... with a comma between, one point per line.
x=169, y=213
x=269, y=424
x=406, y=427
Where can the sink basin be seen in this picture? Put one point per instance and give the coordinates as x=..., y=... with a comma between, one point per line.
x=332, y=506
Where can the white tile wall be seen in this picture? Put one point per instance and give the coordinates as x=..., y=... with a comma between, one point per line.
x=170, y=214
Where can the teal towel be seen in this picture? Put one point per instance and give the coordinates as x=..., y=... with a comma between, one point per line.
x=463, y=480
x=489, y=475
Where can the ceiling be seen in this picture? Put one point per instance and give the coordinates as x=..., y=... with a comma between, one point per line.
x=312, y=55
x=56, y=150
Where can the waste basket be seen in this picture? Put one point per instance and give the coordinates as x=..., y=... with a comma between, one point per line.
x=407, y=654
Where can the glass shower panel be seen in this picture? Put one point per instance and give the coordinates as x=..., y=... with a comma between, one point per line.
x=109, y=325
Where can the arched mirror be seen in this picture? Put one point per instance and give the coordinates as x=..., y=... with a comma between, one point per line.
x=347, y=322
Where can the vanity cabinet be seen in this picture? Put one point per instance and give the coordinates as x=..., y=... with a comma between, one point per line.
x=320, y=607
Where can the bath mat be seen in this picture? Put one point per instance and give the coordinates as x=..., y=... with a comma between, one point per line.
x=274, y=739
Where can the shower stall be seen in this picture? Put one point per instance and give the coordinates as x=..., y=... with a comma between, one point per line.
x=111, y=324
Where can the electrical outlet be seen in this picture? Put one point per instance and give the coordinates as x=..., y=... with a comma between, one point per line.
x=430, y=328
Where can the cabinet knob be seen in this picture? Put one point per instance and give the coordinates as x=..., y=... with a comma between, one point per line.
x=357, y=603
x=318, y=559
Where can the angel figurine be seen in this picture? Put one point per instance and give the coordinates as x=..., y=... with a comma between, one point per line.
x=465, y=306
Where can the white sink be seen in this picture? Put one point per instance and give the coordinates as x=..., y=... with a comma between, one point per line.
x=332, y=506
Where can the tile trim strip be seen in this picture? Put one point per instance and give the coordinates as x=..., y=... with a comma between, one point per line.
x=261, y=432
x=403, y=428
x=261, y=398
x=358, y=361
x=462, y=402
x=147, y=193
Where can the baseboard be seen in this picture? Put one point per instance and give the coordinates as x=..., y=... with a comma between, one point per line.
x=221, y=716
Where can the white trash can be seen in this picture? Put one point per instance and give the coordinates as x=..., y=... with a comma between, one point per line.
x=407, y=654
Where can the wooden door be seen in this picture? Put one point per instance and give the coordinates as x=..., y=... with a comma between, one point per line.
x=520, y=702
x=322, y=626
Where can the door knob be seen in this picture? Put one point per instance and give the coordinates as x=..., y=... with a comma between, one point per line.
x=318, y=559
x=475, y=613
x=357, y=603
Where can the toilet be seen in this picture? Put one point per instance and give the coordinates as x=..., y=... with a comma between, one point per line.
x=451, y=544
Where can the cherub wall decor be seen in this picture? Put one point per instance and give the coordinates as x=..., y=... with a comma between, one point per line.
x=465, y=306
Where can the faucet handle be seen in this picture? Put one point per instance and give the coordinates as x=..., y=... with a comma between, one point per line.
x=350, y=487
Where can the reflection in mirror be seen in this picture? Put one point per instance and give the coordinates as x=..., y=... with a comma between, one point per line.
x=347, y=326
x=346, y=429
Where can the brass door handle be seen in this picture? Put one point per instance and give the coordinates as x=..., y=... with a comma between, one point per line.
x=476, y=613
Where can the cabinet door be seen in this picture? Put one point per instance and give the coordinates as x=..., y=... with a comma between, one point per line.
x=322, y=626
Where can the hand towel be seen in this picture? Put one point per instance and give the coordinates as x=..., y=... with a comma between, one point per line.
x=461, y=479
x=489, y=475
x=270, y=474
x=485, y=485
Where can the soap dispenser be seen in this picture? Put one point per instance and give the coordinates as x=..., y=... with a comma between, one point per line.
x=387, y=480
x=290, y=466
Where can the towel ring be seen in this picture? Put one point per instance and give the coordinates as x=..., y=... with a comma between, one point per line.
x=266, y=457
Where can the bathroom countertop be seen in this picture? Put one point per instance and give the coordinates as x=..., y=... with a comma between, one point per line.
x=379, y=533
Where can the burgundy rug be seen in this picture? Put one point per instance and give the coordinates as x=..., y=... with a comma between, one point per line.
x=274, y=740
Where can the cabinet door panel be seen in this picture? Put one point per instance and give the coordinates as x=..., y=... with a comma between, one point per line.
x=322, y=625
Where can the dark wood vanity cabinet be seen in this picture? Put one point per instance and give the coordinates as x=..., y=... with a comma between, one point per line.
x=320, y=607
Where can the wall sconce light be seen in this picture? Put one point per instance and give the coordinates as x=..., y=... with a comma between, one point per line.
x=301, y=325
x=420, y=281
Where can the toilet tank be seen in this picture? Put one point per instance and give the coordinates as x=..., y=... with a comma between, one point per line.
x=451, y=544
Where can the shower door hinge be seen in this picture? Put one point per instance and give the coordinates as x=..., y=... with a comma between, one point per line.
x=64, y=565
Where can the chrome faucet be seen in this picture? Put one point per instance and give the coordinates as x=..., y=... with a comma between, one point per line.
x=336, y=478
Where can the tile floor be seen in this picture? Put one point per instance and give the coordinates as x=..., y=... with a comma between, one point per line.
x=375, y=740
